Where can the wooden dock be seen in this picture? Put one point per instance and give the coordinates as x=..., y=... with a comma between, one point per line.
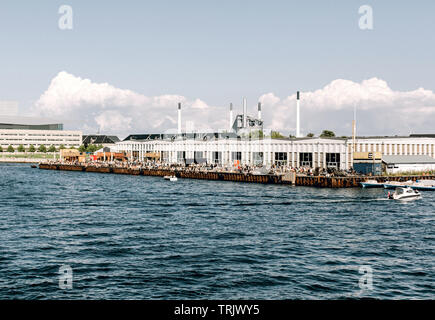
x=289, y=179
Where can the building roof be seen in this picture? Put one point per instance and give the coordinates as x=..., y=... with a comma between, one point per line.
x=422, y=135
x=173, y=136
x=407, y=159
x=29, y=123
x=99, y=139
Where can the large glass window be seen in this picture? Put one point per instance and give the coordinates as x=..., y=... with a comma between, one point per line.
x=333, y=160
x=257, y=158
x=217, y=157
x=306, y=159
x=236, y=156
x=281, y=158
x=181, y=156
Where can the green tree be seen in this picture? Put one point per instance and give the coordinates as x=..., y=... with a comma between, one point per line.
x=11, y=149
x=327, y=134
x=310, y=135
x=1, y=149
x=82, y=148
x=32, y=148
x=61, y=147
x=93, y=147
x=52, y=148
x=276, y=135
x=21, y=148
x=42, y=148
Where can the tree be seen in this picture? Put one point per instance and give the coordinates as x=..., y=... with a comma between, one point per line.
x=276, y=135
x=21, y=148
x=61, y=147
x=327, y=134
x=52, y=148
x=82, y=148
x=32, y=148
x=11, y=149
x=1, y=149
x=310, y=135
x=42, y=148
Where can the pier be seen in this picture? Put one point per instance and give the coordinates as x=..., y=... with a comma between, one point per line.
x=288, y=179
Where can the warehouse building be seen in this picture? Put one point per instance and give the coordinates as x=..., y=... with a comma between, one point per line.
x=246, y=142
x=410, y=163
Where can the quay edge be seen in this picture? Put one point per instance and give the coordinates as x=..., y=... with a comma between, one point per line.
x=298, y=180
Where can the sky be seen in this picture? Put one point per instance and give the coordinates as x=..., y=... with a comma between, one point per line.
x=124, y=66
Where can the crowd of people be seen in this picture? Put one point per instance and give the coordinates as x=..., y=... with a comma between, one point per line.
x=205, y=167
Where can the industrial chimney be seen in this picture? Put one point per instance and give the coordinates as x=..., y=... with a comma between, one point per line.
x=259, y=111
x=179, y=118
x=245, y=113
x=231, y=116
x=298, y=128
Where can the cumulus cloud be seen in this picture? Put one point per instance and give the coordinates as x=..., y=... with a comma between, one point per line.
x=380, y=110
x=90, y=106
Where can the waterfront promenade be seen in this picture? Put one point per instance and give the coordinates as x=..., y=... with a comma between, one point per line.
x=272, y=176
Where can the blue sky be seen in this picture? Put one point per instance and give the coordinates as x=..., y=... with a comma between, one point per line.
x=215, y=51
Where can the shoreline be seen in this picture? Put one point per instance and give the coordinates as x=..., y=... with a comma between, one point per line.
x=286, y=179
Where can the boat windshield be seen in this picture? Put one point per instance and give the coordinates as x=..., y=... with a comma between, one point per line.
x=400, y=190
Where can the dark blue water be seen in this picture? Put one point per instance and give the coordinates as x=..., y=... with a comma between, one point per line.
x=128, y=237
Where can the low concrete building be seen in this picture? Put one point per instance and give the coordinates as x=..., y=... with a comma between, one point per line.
x=408, y=163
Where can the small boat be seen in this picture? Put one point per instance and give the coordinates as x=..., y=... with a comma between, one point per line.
x=371, y=184
x=404, y=194
x=170, y=178
x=33, y=166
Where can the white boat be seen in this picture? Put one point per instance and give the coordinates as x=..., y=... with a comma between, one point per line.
x=371, y=184
x=170, y=178
x=404, y=194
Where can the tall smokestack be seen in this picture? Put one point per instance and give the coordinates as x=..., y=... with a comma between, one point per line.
x=259, y=110
x=298, y=124
x=231, y=116
x=179, y=118
x=245, y=113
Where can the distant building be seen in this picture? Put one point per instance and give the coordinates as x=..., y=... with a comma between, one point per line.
x=27, y=131
x=408, y=163
x=99, y=140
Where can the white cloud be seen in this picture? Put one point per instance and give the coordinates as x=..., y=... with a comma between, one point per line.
x=380, y=109
x=86, y=105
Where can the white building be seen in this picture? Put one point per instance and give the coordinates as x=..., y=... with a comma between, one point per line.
x=298, y=152
x=239, y=146
x=418, y=163
x=36, y=132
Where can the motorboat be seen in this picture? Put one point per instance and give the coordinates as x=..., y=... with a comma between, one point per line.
x=404, y=194
x=170, y=178
x=371, y=184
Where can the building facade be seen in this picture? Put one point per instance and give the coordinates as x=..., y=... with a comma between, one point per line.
x=16, y=137
x=298, y=152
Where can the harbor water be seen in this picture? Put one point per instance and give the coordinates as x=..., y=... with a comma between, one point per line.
x=139, y=237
